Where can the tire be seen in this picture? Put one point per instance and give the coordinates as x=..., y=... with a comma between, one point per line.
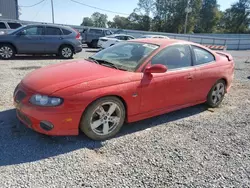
x=216, y=94
x=66, y=52
x=7, y=51
x=94, y=44
x=101, y=117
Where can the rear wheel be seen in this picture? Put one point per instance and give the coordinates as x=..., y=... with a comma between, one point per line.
x=216, y=94
x=66, y=52
x=103, y=119
x=6, y=51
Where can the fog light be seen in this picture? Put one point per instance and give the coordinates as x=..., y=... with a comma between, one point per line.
x=47, y=126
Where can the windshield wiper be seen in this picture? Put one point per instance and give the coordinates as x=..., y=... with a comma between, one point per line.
x=105, y=62
x=92, y=60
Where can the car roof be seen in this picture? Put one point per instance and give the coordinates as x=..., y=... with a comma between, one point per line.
x=115, y=35
x=50, y=25
x=162, y=41
x=154, y=35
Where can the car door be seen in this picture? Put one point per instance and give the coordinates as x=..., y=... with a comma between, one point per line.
x=53, y=38
x=173, y=88
x=206, y=71
x=30, y=40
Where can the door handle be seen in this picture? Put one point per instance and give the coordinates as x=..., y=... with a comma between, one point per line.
x=189, y=77
x=61, y=38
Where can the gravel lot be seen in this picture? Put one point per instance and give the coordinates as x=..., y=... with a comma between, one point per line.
x=193, y=147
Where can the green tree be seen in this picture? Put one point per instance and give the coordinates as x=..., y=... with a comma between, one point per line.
x=237, y=18
x=87, y=22
x=169, y=16
x=209, y=17
x=139, y=22
x=99, y=20
x=119, y=22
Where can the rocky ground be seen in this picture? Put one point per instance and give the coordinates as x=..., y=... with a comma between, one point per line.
x=193, y=147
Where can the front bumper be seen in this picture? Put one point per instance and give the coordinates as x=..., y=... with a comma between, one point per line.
x=63, y=120
x=63, y=123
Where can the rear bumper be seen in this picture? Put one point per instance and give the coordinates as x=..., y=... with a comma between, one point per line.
x=78, y=49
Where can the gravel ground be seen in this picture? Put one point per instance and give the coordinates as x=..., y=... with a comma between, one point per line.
x=193, y=147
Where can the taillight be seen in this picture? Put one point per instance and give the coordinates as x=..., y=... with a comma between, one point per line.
x=78, y=36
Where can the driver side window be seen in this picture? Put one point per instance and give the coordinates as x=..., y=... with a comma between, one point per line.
x=174, y=57
x=38, y=30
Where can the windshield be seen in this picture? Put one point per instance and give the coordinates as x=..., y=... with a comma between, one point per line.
x=126, y=55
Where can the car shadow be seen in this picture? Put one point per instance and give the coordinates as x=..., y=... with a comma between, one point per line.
x=36, y=57
x=19, y=144
x=92, y=50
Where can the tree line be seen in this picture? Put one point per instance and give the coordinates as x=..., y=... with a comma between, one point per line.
x=204, y=16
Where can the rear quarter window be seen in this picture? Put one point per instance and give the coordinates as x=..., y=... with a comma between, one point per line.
x=202, y=56
x=66, y=32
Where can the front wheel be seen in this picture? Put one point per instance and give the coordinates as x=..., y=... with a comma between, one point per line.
x=7, y=51
x=216, y=94
x=103, y=119
x=66, y=52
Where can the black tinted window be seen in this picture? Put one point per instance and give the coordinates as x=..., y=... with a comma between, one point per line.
x=2, y=25
x=95, y=31
x=174, y=57
x=53, y=31
x=121, y=37
x=202, y=56
x=66, y=32
x=14, y=25
x=37, y=30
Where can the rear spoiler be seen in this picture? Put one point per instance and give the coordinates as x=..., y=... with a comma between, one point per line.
x=228, y=56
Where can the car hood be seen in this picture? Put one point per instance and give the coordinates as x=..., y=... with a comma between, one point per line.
x=53, y=78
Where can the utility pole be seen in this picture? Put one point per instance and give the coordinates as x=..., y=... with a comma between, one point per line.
x=52, y=6
x=187, y=10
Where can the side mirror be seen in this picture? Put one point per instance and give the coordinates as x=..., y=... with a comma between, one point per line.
x=158, y=68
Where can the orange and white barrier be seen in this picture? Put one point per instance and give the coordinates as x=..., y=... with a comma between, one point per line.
x=215, y=47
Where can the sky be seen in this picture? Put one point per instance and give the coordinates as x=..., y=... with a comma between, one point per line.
x=68, y=12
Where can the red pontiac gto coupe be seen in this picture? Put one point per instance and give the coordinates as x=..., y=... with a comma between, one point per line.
x=129, y=81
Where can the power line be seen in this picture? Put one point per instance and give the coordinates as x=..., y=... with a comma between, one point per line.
x=39, y=9
x=98, y=8
x=32, y=5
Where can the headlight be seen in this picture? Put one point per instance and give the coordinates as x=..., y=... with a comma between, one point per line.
x=44, y=100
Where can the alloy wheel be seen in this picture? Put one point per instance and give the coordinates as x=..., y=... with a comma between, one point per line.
x=66, y=52
x=218, y=93
x=6, y=52
x=105, y=118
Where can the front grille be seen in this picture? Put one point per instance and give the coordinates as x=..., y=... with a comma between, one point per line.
x=24, y=118
x=20, y=96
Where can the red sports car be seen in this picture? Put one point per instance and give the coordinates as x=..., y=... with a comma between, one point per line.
x=129, y=81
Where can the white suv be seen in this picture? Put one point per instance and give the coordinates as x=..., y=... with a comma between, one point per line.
x=105, y=42
x=6, y=26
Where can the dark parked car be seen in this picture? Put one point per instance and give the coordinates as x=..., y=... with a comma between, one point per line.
x=91, y=36
x=41, y=39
